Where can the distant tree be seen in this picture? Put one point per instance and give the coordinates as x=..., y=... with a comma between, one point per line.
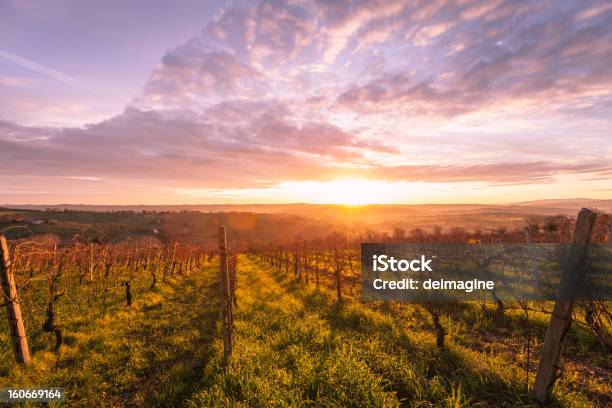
x=399, y=234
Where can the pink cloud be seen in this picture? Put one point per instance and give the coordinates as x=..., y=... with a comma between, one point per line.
x=312, y=90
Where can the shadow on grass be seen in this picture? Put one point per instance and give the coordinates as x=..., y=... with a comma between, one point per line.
x=452, y=368
x=151, y=354
x=186, y=324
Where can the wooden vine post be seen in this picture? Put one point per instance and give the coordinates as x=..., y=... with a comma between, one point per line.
x=13, y=309
x=226, y=296
x=549, y=367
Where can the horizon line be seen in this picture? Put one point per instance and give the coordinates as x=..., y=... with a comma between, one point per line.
x=8, y=205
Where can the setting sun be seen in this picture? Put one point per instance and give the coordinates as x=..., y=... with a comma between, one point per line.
x=342, y=191
x=348, y=191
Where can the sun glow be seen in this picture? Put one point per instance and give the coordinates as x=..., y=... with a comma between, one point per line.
x=340, y=191
x=356, y=191
x=346, y=191
x=349, y=191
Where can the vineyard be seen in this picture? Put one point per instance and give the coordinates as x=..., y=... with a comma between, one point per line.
x=142, y=324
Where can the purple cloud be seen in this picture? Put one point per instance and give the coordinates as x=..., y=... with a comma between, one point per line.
x=436, y=91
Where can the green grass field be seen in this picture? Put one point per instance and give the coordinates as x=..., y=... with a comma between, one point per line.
x=294, y=345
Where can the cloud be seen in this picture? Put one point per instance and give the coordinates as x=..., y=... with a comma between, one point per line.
x=500, y=51
x=231, y=55
x=232, y=142
x=426, y=34
x=435, y=91
x=460, y=57
x=194, y=71
x=497, y=173
x=479, y=9
x=214, y=149
x=282, y=31
x=342, y=20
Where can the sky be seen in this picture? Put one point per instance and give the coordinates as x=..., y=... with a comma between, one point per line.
x=156, y=102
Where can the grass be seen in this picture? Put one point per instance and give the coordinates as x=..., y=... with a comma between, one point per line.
x=145, y=355
x=294, y=346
